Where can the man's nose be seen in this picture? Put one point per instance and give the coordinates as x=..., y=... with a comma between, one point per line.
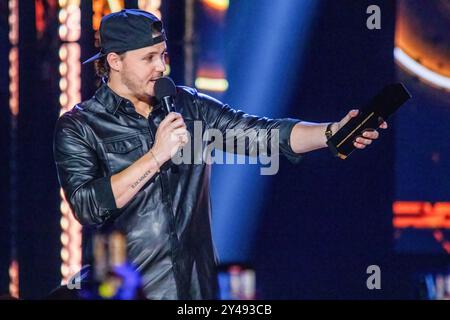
x=161, y=67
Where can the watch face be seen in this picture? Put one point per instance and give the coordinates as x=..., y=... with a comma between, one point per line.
x=328, y=132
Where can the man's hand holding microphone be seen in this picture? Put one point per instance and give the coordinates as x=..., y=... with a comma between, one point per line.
x=170, y=137
x=172, y=133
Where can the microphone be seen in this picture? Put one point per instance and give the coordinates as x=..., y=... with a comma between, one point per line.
x=370, y=117
x=165, y=92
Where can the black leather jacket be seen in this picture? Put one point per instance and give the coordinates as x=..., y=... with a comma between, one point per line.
x=167, y=224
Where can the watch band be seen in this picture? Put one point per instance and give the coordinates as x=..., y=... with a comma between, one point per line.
x=328, y=132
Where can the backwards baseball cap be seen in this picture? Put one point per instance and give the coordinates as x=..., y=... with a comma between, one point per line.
x=127, y=30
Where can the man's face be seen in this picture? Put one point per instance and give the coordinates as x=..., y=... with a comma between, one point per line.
x=141, y=68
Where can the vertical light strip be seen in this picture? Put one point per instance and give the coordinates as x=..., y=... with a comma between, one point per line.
x=210, y=73
x=13, y=20
x=152, y=6
x=14, y=279
x=101, y=8
x=189, y=66
x=14, y=57
x=116, y=5
x=70, y=85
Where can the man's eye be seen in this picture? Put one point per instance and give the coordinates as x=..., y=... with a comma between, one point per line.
x=152, y=57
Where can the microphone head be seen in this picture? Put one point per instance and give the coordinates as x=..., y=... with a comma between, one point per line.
x=165, y=87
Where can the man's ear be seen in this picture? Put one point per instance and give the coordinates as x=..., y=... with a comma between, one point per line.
x=114, y=61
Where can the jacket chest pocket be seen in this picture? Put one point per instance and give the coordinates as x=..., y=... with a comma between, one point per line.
x=121, y=154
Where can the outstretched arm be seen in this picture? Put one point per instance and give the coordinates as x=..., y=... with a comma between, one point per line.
x=306, y=136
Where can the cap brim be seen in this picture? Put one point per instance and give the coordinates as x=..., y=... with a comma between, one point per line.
x=95, y=57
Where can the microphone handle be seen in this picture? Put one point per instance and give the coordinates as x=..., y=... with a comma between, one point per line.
x=168, y=104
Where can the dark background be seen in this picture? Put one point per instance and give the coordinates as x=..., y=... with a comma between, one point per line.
x=323, y=222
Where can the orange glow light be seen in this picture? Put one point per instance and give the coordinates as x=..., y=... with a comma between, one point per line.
x=70, y=86
x=13, y=57
x=152, y=6
x=101, y=8
x=416, y=51
x=219, y=5
x=421, y=215
x=14, y=279
x=39, y=18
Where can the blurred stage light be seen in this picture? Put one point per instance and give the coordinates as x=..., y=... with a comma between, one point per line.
x=13, y=72
x=116, y=5
x=421, y=215
x=13, y=57
x=412, y=66
x=211, y=84
x=101, y=8
x=220, y=5
x=70, y=85
x=14, y=80
x=14, y=279
x=152, y=6
x=422, y=41
x=263, y=90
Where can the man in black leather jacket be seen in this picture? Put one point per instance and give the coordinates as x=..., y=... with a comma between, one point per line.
x=113, y=153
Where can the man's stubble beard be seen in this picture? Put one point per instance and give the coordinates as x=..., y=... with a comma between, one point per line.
x=134, y=87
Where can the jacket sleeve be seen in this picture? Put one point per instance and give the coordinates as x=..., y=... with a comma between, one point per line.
x=89, y=193
x=249, y=131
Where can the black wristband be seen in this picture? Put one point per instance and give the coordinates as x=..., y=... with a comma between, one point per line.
x=328, y=132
